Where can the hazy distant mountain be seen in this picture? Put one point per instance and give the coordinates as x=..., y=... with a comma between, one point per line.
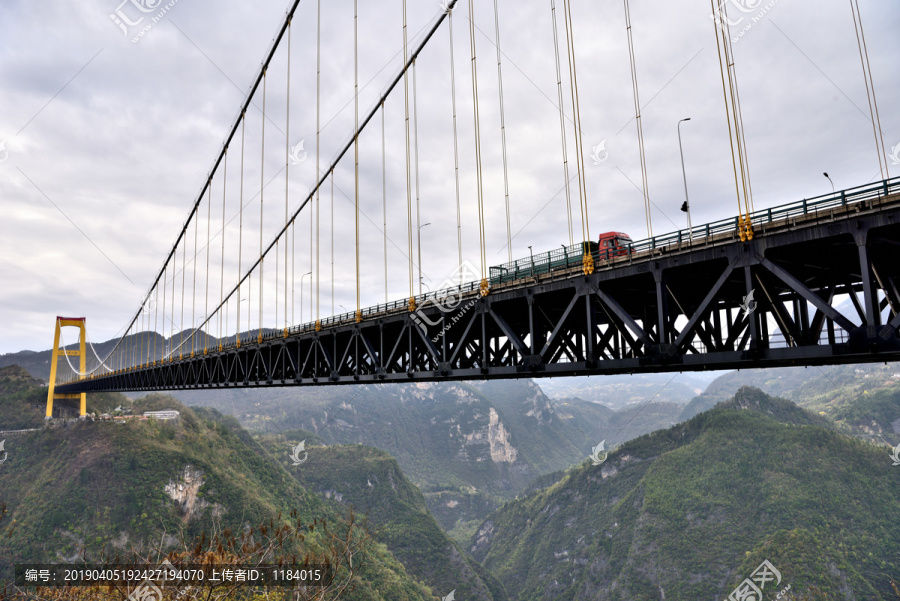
x=864, y=399
x=621, y=390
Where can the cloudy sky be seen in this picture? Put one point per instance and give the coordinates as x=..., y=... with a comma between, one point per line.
x=109, y=134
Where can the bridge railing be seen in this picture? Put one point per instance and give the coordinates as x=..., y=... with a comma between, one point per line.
x=571, y=256
x=566, y=257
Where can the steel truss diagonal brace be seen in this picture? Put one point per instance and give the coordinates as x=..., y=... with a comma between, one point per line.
x=559, y=324
x=701, y=310
x=798, y=287
x=435, y=353
x=891, y=328
x=376, y=360
x=520, y=346
x=623, y=315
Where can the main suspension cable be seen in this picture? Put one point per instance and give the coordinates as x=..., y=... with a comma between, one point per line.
x=124, y=339
x=339, y=156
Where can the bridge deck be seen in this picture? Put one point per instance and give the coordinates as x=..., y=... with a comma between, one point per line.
x=674, y=303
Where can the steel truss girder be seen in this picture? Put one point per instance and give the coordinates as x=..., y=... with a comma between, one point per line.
x=672, y=311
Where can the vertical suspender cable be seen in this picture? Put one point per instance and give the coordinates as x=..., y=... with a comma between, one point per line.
x=155, y=322
x=183, y=287
x=741, y=140
x=638, y=121
x=127, y=339
x=194, y=286
x=735, y=132
x=172, y=329
x=318, y=128
x=478, y=180
x=223, y=319
x=880, y=148
x=721, y=22
x=412, y=302
x=342, y=152
x=237, y=332
x=262, y=168
x=502, y=130
x=293, y=266
x=277, y=271
x=287, y=179
x=164, y=355
x=416, y=171
x=455, y=139
x=588, y=260
x=332, y=240
x=143, y=328
x=208, y=241
x=562, y=123
x=384, y=202
x=356, y=143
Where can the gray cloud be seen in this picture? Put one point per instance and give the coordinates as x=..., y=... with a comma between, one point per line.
x=120, y=136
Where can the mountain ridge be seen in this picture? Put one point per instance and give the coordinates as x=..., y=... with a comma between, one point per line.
x=707, y=497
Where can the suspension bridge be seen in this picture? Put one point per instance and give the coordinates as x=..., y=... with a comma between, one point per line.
x=811, y=282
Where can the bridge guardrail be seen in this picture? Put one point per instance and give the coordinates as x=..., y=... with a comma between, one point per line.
x=567, y=257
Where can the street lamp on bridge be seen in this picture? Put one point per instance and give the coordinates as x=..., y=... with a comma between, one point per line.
x=420, y=254
x=686, y=207
x=301, y=297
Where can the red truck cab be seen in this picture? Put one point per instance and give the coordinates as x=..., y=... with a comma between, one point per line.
x=614, y=244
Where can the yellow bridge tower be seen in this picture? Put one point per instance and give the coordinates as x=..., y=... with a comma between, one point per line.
x=62, y=322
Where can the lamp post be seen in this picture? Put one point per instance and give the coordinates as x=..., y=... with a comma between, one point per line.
x=301, y=296
x=531, y=254
x=687, y=203
x=832, y=183
x=419, y=238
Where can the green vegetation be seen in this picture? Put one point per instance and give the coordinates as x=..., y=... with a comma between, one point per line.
x=862, y=400
x=370, y=481
x=468, y=446
x=692, y=510
x=86, y=490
